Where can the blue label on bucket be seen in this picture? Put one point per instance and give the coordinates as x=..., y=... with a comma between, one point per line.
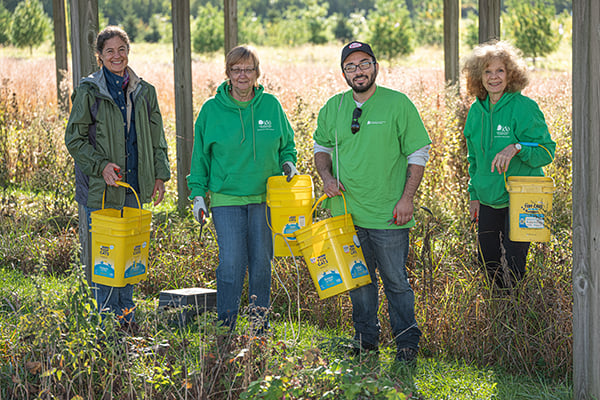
x=358, y=269
x=329, y=279
x=531, y=221
x=137, y=268
x=289, y=229
x=104, y=269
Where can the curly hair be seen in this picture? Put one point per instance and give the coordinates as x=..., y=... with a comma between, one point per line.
x=482, y=55
x=106, y=34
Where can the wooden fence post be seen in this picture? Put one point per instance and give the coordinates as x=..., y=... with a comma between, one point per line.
x=586, y=200
x=60, y=55
x=489, y=20
x=84, y=29
x=231, y=24
x=184, y=118
x=451, y=40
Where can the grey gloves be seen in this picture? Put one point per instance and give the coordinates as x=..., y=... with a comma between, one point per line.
x=200, y=210
x=289, y=169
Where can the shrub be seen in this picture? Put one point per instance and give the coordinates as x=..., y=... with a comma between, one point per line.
x=30, y=25
x=390, y=29
x=208, y=35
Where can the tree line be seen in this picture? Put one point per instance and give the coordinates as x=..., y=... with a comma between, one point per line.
x=394, y=27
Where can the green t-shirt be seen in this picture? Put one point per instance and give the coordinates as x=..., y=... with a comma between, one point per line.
x=372, y=162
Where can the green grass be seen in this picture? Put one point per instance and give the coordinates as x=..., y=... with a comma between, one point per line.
x=476, y=342
x=311, y=355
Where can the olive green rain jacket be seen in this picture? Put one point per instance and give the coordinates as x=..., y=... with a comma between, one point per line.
x=95, y=137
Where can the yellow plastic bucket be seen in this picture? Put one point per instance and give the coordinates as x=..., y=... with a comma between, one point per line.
x=333, y=254
x=530, y=205
x=290, y=206
x=120, y=243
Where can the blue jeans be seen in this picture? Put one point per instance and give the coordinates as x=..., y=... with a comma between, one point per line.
x=385, y=250
x=117, y=300
x=245, y=242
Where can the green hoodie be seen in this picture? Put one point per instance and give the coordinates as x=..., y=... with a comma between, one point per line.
x=514, y=118
x=237, y=149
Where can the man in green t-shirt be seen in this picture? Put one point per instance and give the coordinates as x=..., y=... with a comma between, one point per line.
x=371, y=143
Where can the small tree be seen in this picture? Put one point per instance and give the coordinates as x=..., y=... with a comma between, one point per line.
x=429, y=22
x=342, y=29
x=153, y=34
x=30, y=25
x=4, y=25
x=390, y=28
x=531, y=27
x=130, y=25
x=208, y=35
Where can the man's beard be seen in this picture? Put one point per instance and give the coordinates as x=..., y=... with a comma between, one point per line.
x=362, y=89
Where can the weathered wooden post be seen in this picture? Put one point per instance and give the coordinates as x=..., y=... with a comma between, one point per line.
x=489, y=20
x=60, y=54
x=451, y=41
x=84, y=29
x=231, y=24
x=586, y=200
x=184, y=118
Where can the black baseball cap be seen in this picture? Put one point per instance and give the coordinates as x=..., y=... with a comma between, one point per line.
x=356, y=46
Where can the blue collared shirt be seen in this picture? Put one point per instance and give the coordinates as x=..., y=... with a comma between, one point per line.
x=117, y=87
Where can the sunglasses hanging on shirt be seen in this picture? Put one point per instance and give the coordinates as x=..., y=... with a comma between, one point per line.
x=355, y=126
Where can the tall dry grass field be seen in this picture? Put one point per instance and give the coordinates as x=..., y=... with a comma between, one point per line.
x=525, y=329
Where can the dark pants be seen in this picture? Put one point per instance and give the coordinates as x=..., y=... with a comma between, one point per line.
x=494, y=241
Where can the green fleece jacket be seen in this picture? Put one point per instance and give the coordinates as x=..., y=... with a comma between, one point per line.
x=514, y=118
x=237, y=149
x=94, y=137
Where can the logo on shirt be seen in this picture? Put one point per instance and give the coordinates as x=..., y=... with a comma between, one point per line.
x=375, y=122
x=502, y=130
x=265, y=125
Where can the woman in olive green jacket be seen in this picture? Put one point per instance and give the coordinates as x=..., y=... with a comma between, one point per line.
x=115, y=132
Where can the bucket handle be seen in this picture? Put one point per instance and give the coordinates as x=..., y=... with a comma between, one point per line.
x=529, y=144
x=128, y=186
x=323, y=197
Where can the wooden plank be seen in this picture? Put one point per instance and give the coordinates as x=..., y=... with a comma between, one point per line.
x=184, y=118
x=84, y=29
x=451, y=41
x=231, y=24
x=586, y=200
x=489, y=20
x=60, y=54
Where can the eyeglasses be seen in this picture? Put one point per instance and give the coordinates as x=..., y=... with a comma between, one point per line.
x=355, y=126
x=364, y=65
x=238, y=71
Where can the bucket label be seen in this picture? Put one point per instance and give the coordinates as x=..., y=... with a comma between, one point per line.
x=531, y=221
x=328, y=279
x=533, y=207
x=104, y=269
x=135, y=269
x=350, y=249
x=358, y=269
x=105, y=250
x=288, y=229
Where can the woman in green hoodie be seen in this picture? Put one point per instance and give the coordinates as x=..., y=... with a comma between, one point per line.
x=242, y=137
x=501, y=127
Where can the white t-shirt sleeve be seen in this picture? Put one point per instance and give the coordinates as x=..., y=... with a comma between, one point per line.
x=322, y=149
x=419, y=157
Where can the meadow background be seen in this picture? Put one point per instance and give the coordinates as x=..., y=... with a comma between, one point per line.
x=478, y=343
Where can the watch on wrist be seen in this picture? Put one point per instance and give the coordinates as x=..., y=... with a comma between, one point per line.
x=518, y=147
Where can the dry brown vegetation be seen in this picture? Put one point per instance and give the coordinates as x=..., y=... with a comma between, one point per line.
x=524, y=330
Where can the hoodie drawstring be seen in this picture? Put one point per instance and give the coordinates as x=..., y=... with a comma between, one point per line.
x=244, y=130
